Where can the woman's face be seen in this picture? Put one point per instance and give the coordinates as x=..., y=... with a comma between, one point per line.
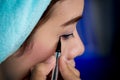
x=60, y=25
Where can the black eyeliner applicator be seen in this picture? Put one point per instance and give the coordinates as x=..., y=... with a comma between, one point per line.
x=55, y=70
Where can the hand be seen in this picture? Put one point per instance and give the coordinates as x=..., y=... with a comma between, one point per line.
x=41, y=70
x=67, y=69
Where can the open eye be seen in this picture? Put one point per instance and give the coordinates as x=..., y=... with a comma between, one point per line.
x=67, y=36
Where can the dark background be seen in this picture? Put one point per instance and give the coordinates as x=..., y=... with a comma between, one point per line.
x=99, y=31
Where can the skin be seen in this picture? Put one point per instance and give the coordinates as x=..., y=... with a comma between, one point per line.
x=38, y=58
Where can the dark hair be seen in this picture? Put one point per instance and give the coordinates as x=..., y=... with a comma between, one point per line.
x=27, y=43
x=47, y=13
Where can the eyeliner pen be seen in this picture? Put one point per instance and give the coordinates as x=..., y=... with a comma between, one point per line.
x=57, y=54
x=55, y=70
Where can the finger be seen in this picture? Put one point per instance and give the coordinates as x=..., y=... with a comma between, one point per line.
x=41, y=70
x=71, y=62
x=66, y=71
x=73, y=69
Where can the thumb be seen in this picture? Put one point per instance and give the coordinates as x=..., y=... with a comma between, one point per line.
x=41, y=70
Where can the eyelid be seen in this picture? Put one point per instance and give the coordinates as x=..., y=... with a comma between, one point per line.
x=67, y=36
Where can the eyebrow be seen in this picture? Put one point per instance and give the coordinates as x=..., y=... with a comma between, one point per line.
x=73, y=20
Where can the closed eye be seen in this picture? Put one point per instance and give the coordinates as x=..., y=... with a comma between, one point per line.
x=67, y=36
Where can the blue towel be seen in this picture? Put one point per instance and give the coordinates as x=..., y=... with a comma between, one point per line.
x=17, y=20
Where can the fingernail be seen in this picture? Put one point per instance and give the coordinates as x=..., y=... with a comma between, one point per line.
x=50, y=60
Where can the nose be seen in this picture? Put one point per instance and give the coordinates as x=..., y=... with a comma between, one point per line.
x=72, y=47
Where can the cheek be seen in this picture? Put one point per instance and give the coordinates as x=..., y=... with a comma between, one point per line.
x=42, y=51
x=66, y=48
x=16, y=66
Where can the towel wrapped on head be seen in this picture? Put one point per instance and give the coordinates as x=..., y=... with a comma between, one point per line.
x=17, y=20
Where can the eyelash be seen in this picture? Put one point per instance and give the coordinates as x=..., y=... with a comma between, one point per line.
x=67, y=36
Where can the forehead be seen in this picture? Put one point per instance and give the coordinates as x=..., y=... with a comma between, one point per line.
x=68, y=8
x=73, y=4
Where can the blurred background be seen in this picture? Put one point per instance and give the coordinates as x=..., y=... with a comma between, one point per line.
x=99, y=32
